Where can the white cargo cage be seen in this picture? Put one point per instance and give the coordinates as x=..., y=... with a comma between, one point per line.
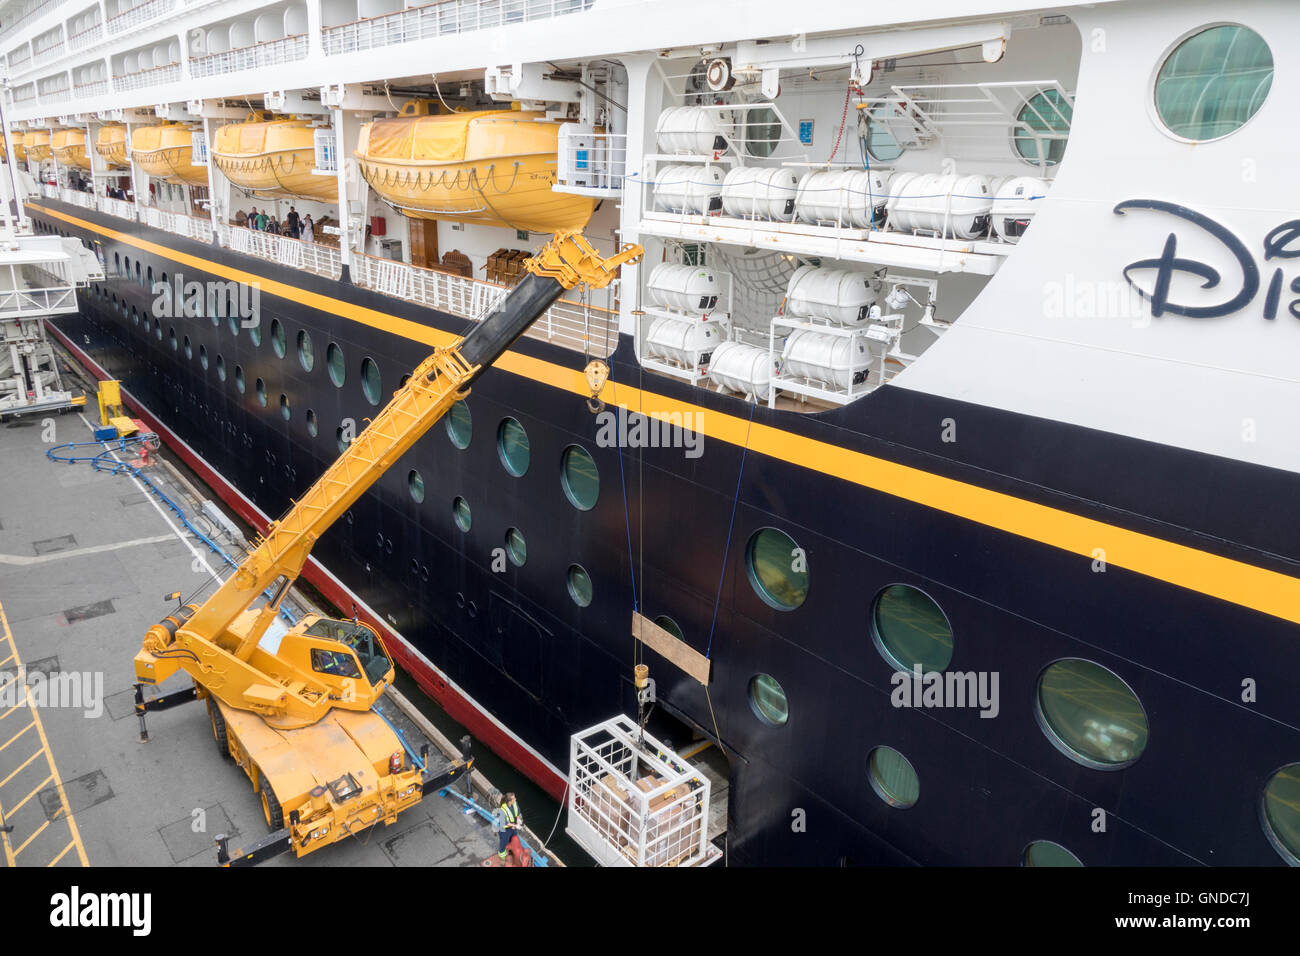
x=633, y=802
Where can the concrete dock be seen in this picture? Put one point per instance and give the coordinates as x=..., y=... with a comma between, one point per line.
x=86, y=559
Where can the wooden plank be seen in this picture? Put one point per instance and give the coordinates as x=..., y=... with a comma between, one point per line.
x=670, y=648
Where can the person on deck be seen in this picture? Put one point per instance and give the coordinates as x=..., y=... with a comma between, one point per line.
x=292, y=220
x=308, y=229
x=509, y=823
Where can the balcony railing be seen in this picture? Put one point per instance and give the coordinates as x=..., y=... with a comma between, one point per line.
x=19, y=62
x=144, y=13
x=178, y=223
x=157, y=76
x=86, y=37
x=270, y=53
x=572, y=324
x=52, y=52
x=441, y=19
x=31, y=13
x=123, y=208
x=93, y=88
x=78, y=198
x=25, y=93
x=310, y=256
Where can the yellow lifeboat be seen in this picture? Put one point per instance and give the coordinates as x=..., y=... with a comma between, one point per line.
x=164, y=150
x=69, y=147
x=110, y=144
x=20, y=145
x=494, y=167
x=37, y=143
x=275, y=157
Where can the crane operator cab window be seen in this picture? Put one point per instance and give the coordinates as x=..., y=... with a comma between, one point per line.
x=363, y=647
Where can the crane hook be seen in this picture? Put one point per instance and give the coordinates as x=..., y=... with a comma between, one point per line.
x=597, y=373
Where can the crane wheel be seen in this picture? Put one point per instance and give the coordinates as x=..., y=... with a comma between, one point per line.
x=271, y=807
x=218, y=721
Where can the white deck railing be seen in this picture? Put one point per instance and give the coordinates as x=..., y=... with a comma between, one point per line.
x=154, y=77
x=77, y=198
x=93, y=88
x=29, y=13
x=137, y=15
x=271, y=53
x=122, y=208
x=19, y=302
x=590, y=163
x=309, y=256
x=441, y=19
x=86, y=37
x=177, y=222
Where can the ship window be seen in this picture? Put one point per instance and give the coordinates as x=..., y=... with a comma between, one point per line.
x=579, y=584
x=460, y=426
x=892, y=777
x=460, y=513
x=512, y=446
x=135, y=316
x=171, y=337
x=260, y=387
x=1090, y=714
x=203, y=357
x=762, y=131
x=149, y=275
x=334, y=361
x=1213, y=82
x=255, y=332
x=277, y=338
x=580, y=478
x=342, y=438
x=232, y=323
x=875, y=137
x=1047, y=853
x=669, y=625
x=516, y=547
x=286, y=410
x=138, y=277
x=313, y=429
x=239, y=378
x=415, y=484
x=778, y=569
x=371, y=387
x=306, y=357
x=157, y=330
x=768, y=701
x=1041, y=128
x=221, y=368
x=1282, y=812
x=909, y=629
x=189, y=349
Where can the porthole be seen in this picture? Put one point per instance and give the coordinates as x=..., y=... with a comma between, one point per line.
x=415, y=484
x=232, y=323
x=203, y=357
x=579, y=477
x=337, y=368
x=909, y=629
x=306, y=357
x=255, y=333
x=343, y=439
x=189, y=348
x=669, y=625
x=1042, y=127
x=893, y=777
x=460, y=426
x=460, y=513
x=875, y=136
x=171, y=338
x=239, y=379
x=371, y=387
x=512, y=446
x=157, y=330
x=1047, y=853
x=516, y=547
x=778, y=569
x=259, y=387
x=135, y=316
x=579, y=585
x=1213, y=82
x=312, y=428
x=1281, y=812
x=1090, y=714
x=286, y=410
x=768, y=701
x=762, y=131
x=277, y=338
x=221, y=368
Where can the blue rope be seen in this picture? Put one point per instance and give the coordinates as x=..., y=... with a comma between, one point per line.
x=735, y=503
x=103, y=462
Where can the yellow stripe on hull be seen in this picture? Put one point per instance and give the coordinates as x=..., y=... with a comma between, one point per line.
x=273, y=158
x=494, y=167
x=164, y=152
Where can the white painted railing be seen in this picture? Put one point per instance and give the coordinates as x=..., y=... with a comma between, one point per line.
x=143, y=13
x=310, y=256
x=18, y=63
x=29, y=13
x=20, y=302
x=177, y=222
x=49, y=192
x=78, y=198
x=568, y=323
x=155, y=77
x=590, y=163
x=86, y=37
x=123, y=208
x=441, y=19
x=48, y=53
x=95, y=88
x=273, y=52
x=24, y=93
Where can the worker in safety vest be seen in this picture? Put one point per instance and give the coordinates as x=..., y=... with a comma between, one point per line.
x=509, y=823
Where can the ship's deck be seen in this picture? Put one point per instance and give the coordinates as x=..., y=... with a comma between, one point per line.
x=85, y=560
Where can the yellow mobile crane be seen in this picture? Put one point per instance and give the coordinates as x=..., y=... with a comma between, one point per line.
x=296, y=714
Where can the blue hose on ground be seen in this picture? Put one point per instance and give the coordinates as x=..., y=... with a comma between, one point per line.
x=104, y=462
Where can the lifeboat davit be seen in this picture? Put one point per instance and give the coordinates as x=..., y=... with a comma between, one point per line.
x=164, y=151
x=275, y=157
x=494, y=167
x=37, y=143
x=110, y=144
x=68, y=147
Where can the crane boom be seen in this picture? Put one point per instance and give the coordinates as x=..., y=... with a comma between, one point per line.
x=217, y=642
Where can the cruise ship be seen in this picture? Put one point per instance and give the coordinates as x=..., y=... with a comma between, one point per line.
x=945, y=476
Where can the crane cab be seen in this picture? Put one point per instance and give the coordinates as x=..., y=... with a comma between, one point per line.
x=347, y=657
